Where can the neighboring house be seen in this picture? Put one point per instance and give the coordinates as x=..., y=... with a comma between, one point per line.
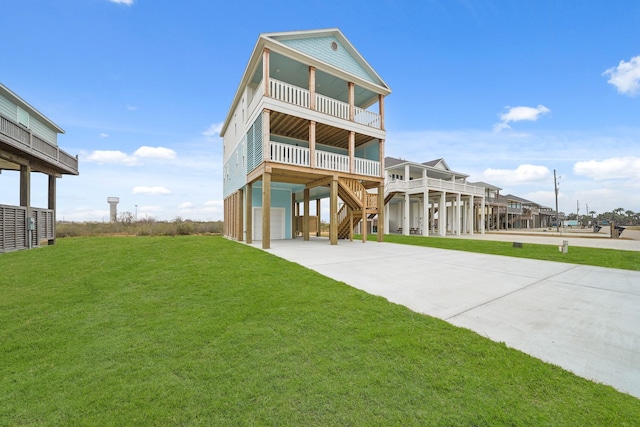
x=523, y=213
x=495, y=205
x=429, y=197
x=29, y=143
x=306, y=123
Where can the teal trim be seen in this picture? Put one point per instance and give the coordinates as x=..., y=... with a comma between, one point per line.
x=235, y=170
x=254, y=145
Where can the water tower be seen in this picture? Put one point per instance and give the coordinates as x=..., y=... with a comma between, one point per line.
x=113, y=211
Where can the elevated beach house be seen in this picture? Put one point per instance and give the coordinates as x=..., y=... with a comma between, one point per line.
x=306, y=123
x=430, y=198
x=29, y=143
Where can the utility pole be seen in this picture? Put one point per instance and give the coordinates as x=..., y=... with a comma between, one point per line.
x=555, y=185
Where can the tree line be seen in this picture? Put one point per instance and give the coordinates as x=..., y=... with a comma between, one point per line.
x=620, y=216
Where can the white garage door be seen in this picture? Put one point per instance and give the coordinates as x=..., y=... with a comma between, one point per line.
x=277, y=223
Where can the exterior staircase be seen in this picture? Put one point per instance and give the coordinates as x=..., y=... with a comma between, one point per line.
x=356, y=203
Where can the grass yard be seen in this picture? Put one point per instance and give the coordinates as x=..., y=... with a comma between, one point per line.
x=611, y=258
x=195, y=330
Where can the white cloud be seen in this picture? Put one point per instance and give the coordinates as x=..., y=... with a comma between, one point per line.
x=612, y=168
x=104, y=135
x=152, y=191
x=127, y=2
x=111, y=156
x=131, y=107
x=144, y=152
x=155, y=153
x=523, y=174
x=516, y=114
x=626, y=76
x=185, y=205
x=213, y=131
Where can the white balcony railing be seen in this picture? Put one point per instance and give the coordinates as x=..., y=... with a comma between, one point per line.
x=332, y=107
x=434, y=184
x=289, y=93
x=332, y=161
x=301, y=156
x=289, y=154
x=366, y=167
x=366, y=117
x=298, y=96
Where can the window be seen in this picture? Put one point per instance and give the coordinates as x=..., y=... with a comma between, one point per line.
x=23, y=117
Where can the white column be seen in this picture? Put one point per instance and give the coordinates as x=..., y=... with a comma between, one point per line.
x=472, y=216
x=482, y=218
x=386, y=219
x=433, y=216
x=458, y=216
x=425, y=212
x=465, y=216
x=407, y=213
x=442, y=214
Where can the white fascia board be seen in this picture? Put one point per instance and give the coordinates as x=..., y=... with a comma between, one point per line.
x=285, y=50
x=384, y=87
x=254, y=60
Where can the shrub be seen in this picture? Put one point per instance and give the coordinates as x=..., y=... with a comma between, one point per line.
x=143, y=227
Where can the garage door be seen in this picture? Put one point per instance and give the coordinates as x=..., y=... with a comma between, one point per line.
x=277, y=223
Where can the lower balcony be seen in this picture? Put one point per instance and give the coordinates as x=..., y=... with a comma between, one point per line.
x=301, y=156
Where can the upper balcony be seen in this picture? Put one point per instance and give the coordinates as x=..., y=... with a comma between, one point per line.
x=22, y=141
x=433, y=184
x=288, y=80
x=302, y=98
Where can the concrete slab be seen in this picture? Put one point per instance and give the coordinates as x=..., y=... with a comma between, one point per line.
x=581, y=318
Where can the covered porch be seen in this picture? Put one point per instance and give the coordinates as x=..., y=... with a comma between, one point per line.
x=353, y=199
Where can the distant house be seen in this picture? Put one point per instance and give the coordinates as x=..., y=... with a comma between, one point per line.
x=523, y=213
x=29, y=143
x=429, y=197
x=306, y=124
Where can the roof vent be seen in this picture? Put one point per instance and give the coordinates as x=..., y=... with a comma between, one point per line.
x=334, y=46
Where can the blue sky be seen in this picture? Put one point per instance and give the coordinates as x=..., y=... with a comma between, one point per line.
x=505, y=91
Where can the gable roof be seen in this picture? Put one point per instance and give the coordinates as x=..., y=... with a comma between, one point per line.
x=485, y=185
x=312, y=47
x=318, y=44
x=438, y=164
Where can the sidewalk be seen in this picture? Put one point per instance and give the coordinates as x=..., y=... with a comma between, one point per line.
x=630, y=240
x=582, y=318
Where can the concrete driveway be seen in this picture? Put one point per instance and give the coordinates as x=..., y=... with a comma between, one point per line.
x=584, y=319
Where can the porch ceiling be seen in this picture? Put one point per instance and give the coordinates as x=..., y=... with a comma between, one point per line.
x=298, y=128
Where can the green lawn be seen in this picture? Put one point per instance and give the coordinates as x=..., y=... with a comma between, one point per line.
x=627, y=260
x=203, y=331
